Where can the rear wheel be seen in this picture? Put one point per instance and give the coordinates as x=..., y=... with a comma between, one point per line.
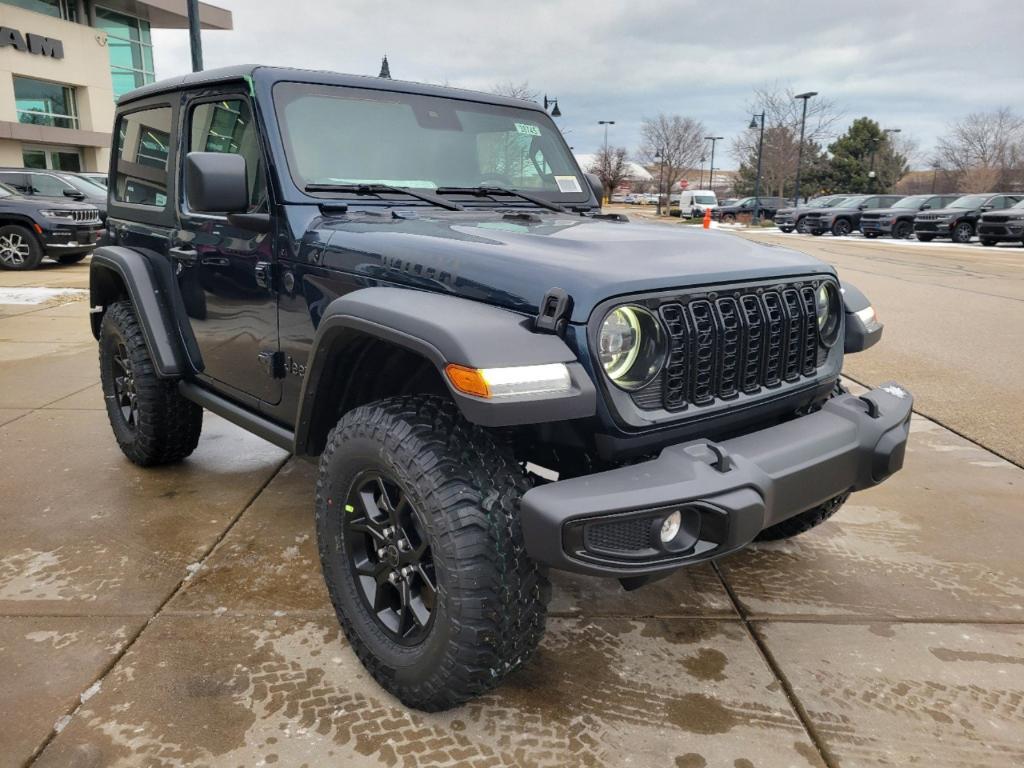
x=71, y=258
x=152, y=422
x=901, y=230
x=19, y=248
x=421, y=548
x=841, y=227
x=963, y=232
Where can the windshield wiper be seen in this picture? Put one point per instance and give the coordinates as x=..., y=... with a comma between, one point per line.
x=492, y=191
x=377, y=189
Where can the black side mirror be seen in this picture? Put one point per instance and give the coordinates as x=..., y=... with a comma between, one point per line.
x=926, y=206
x=74, y=194
x=985, y=208
x=596, y=186
x=215, y=182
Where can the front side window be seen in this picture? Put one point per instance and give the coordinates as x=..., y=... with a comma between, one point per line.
x=47, y=185
x=340, y=135
x=131, y=50
x=227, y=126
x=38, y=102
x=143, y=147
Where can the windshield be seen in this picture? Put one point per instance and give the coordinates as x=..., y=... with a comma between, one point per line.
x=86, y=187
x=850, y=202
x=1018, y=205
x=6, y=191
x=744, y=201
x=969, y=201
x=914, y=201
x=338, y=135
x=824, y=202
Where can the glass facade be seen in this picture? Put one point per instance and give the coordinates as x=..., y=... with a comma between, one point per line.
x=131, y=50
x=60, y=9
x=42, y=103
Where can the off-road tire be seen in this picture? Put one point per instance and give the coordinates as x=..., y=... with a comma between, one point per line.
x=491, y=599
x=166, y=426
x=27, y=253
x=70, y=258
x=803, y=522
x=962, y=233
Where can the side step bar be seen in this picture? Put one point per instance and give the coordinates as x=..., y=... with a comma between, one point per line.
x=252, y=422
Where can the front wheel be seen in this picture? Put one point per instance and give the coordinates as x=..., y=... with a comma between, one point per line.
x=962, y=233
x=419, y=538
x=19, y=248
x=801, y=226
x=901, y=230
x=152, y=422
x=841, y=227
x=728, y=218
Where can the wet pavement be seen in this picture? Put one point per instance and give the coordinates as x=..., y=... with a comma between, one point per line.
x=178, y=617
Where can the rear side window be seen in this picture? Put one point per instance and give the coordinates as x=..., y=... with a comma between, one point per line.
x=227, y=126
x=143, y=147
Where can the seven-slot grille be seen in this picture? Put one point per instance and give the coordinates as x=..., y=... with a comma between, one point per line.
x=736, y=341
x=80, y=215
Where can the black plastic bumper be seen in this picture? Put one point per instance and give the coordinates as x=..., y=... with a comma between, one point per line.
x=607, y=524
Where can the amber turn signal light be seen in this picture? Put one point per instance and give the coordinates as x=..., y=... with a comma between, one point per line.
x=467, y=380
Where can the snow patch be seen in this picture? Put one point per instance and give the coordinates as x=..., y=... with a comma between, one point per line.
x=38, y=295
x=91, y=691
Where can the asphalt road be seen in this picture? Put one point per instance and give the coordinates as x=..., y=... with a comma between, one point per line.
x=954, y=328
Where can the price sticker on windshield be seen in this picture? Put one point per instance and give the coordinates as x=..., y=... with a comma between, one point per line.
x=529, y=130
x=568, y=184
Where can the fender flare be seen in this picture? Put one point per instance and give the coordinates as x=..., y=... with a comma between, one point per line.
x=859, y=335
x=444, y=329
x=141, y=279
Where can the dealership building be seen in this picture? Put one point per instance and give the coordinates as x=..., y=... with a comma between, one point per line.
x=63, y=64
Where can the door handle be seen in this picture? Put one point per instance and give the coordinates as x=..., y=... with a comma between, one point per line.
x=184, y=254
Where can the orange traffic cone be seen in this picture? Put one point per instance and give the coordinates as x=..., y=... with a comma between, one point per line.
x=707, y=218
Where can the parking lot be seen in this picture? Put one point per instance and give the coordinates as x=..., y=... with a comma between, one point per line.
x=178, y=616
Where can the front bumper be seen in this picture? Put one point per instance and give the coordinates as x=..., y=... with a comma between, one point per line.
x=1001, y=232
x=815, y=224
x=606, y=524
x=72, y=238
x=876, y=226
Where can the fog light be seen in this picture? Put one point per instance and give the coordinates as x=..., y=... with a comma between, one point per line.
x=670, y=527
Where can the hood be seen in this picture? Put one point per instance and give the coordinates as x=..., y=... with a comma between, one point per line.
x=947, y=211
x=65, y=203
x=894, y=209
x=513, y=260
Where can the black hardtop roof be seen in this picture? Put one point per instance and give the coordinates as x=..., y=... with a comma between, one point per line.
x=279, y=74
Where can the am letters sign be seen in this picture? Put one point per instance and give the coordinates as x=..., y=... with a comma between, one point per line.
x=31, y=43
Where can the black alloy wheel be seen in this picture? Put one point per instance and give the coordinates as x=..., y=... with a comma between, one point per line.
x=390, y=557
x=801, y=225
x=841, y=227
x=126, y=398
x=901, y=230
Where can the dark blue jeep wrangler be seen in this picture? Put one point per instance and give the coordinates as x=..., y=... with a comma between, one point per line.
x=415, y=287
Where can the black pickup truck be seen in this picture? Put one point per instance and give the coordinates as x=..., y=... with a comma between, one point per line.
x=958, y=220
x=415, y=287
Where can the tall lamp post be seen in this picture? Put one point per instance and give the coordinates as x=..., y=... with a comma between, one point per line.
x=711, y=170
x=660, y=157
x=876, y=142
x=553, y=102
x=703, y=160
x=757, y=183
x=800, y=149
x=607, y=161
x=194, y=40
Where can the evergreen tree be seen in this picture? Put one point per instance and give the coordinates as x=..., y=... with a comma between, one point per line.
x=864, y=148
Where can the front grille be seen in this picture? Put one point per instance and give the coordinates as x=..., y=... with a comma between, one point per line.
x=925, y=226
x=736, y=341
x=927, y=217
x=995, y=219
x=988, y=228
x=87, y=215
x=870, y=216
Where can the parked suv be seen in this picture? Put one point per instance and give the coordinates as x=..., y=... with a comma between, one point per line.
x=766, y=208
x=958, y=220
x=34, y=227
x=447, y=345
x=844, y=217
x=57, y=184
x=788, y=219
x=898, y=219
x=1004, y=226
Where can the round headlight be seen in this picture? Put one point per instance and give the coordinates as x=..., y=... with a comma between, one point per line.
x=631, y=346
x=827, y=308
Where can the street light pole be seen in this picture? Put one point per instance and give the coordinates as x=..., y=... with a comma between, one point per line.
x=607, y=160
x=195, y=42
x=757, y=183
x=711, y=170
x=703, y=160
x=660, y=157
x=800, y=149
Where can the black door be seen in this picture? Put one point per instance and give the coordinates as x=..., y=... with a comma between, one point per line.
x=224, y=271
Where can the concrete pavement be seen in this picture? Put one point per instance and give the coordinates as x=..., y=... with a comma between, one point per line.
x=178, y=617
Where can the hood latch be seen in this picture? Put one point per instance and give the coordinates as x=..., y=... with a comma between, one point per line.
x=555, y=310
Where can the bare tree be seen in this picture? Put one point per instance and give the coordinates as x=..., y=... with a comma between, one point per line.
x=612, y=165
x=673, y=143
x=984, y=149
x=516, y=90
x=783, y=114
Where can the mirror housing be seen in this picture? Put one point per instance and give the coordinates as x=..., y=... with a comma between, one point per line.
x=215, y=182
x=596, y=186
x=985, y=208
x=74, y=194
x=926, y=207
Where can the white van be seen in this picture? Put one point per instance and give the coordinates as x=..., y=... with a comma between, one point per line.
x=693, y=202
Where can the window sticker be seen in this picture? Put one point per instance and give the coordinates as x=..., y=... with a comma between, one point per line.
x=529, y=130
x=568, y=184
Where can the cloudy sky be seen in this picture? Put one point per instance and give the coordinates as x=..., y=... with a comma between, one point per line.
x=912, y=65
